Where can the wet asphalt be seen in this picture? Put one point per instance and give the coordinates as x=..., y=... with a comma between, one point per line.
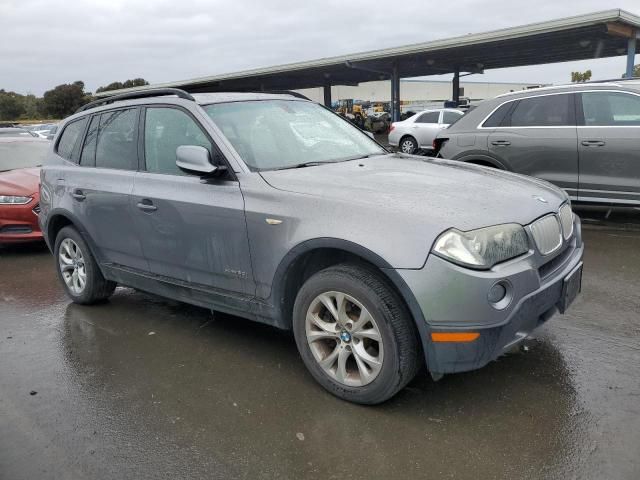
x=141, y=387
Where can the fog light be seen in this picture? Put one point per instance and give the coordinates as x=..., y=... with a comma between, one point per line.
x=497, y=293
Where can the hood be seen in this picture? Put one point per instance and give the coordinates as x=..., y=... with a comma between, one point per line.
x=20, y=182
x=443, y=193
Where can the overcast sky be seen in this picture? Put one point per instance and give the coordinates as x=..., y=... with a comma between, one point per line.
x=45, y=43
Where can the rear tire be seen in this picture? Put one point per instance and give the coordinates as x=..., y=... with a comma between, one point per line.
x=408, y=145
x=77, y=269
x=363, y=347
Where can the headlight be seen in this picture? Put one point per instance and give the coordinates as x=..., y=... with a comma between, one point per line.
x=482, y=248
x=8, y=199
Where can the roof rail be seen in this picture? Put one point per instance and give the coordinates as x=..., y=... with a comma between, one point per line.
x=614, y=80
x=287, y=92
x=152, y=92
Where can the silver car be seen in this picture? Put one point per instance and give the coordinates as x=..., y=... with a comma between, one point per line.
x=418, y=131
x=379, y=263
x=583, y=138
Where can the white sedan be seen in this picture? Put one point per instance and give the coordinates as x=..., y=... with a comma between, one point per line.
x=417, y=132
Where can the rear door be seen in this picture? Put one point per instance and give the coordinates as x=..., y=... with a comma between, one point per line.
x=101, y=187
x=538, y=138
x=192, y=230
x=426, y=127
x=609, y=146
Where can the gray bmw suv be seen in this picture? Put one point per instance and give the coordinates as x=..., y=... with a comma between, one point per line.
x=583, y=138
x=275, y=209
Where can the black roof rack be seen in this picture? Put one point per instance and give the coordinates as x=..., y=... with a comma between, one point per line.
x=152, y=92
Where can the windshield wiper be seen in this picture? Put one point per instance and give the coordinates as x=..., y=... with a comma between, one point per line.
x=323, y=162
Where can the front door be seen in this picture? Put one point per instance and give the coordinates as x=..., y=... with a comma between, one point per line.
x=609, y=147
x=191, y=230
x=538, y=138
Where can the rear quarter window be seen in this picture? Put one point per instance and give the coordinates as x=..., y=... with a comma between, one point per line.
x=70, y=139
x=497, y=117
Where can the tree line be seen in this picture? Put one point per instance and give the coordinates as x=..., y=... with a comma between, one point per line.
x=57, y=103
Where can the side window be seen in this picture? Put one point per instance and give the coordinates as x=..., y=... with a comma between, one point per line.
x=70, y=137
x=449, y=118
x=496, y=119
x=428, y=117
x=610, y=109
x=88, y=155
x=545, y=111
x=165, y=129
x=117, y=143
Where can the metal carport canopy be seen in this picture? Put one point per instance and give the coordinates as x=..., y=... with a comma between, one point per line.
x=595, y=35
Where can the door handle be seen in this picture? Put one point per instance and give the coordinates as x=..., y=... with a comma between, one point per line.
x=501, y=143
x=78, y=195
x=593, y=143
x=147, y=205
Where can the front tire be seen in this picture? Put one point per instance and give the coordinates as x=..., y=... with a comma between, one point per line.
x=354, y=334
x=408, y=145
x=78, y=270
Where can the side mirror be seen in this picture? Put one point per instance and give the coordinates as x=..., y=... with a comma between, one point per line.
x=194, y=159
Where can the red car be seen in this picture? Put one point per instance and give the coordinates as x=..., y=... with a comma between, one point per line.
x=20, y=158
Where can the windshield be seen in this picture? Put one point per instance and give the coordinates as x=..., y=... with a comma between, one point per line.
x=275, y=134
x=22, y=154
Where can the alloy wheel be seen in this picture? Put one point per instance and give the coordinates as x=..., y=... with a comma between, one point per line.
x=344, y=338
x=407, y=146
x=72, y=266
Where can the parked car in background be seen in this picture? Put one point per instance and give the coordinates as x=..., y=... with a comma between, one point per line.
x=378, y=262
x=418, y=131
x=41, y=129
x=20, y=159
x=16, y=132
x=52, y=132
x=584, y=138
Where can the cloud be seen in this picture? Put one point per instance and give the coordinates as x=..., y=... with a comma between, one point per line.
x=100, y=41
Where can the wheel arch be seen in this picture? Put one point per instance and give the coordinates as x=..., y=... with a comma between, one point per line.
x=484, y=160
x=57, y=220
x=311, y=256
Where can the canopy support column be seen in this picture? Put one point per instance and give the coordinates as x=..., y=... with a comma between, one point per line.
x=395, y=94
x=631, y=56
x=456, y=87
x=327, y=95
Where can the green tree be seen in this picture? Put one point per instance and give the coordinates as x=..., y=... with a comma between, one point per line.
x=65, y=99
x=579, y=77
x=33, y=107
x=136, y=82
x=11, y=105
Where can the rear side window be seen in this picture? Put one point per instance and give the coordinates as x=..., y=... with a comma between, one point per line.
x=545, y=111
x=610, y=109
x=117, y=143
x=429, y=117
x=165, y=129
x=497, y=117
x=88, y=155
x=449, y=118
x=70, y=138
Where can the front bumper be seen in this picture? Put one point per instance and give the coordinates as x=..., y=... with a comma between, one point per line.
x=454, y=299
x=19, y=223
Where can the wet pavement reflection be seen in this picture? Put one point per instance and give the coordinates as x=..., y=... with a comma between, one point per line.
x=142, y=387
